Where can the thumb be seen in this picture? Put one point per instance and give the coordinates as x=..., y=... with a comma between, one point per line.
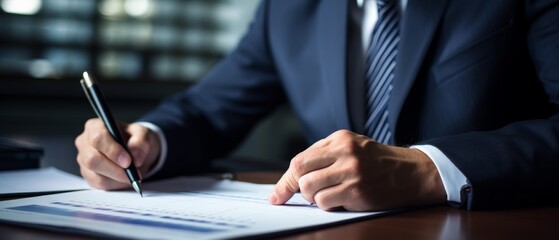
x=284, y=189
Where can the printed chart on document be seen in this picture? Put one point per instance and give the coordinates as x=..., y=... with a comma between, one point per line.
x=183, y=207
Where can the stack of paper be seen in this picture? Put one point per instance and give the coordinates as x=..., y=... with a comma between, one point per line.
x=180, y=208
x=38, y=181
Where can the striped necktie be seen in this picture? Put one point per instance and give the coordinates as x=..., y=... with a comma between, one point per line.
x=380, y=63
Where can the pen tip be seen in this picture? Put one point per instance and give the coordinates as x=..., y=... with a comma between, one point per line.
x=136, y=186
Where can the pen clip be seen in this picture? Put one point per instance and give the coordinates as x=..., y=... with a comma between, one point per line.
x=88, y=95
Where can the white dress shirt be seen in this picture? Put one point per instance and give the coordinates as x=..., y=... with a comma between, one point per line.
x=452, y=178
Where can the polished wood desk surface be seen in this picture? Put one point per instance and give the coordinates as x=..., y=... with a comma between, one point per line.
x=438, y=222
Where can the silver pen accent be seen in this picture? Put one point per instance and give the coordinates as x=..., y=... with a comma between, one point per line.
x=137, y=186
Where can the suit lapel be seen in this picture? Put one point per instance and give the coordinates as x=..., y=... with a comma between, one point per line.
x=332, y=32
x=419, y=24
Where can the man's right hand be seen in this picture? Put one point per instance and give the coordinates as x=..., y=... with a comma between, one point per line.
x=102, y=159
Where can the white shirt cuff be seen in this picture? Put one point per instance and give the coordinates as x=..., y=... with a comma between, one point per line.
x=162, y=150
x=453, y=179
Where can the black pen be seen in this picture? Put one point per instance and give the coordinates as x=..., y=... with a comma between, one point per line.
x=95, y=96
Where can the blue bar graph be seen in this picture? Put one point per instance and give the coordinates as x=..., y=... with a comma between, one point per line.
x=112, y=218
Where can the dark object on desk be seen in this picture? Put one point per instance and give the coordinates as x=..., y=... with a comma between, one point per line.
x=16, y=155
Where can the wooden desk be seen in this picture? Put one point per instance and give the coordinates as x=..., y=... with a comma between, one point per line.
x=429, y=223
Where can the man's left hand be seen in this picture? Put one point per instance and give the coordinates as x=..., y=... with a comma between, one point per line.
x=353, y=172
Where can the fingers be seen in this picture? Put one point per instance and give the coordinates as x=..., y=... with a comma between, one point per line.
x=332, y=198
x=315, y=181
x=328, y=172
x=99, y=138
x=93, y=161
x=101, y=159
x=309, y=160
x=284, y=189
x=102, y=182
x=323, y=188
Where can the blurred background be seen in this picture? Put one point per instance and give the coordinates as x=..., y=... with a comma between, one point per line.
x=141, y=50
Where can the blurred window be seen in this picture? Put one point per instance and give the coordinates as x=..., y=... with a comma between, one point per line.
x=156, y=40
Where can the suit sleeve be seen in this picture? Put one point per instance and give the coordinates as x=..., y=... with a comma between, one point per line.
x=516, y=165
x=209, y=119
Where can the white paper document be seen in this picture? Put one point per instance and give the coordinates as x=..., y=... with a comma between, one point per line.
x=42, y=180
x=179, y=208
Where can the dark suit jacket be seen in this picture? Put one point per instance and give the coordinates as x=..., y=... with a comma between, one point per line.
x=477, y=79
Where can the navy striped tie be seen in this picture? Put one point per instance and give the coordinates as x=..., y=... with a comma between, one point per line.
x=380, y=63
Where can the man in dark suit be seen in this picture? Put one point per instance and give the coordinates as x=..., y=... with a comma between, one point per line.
x=475, y=93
